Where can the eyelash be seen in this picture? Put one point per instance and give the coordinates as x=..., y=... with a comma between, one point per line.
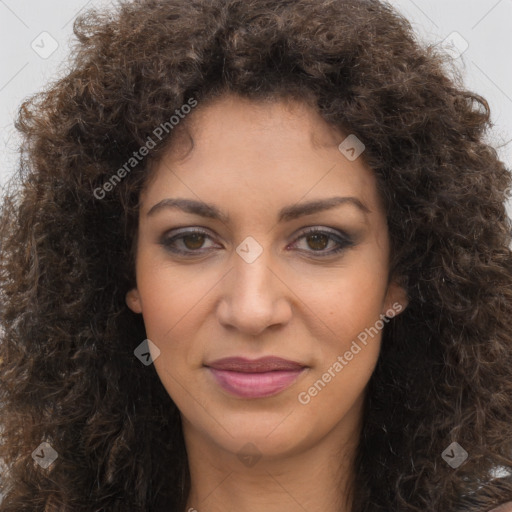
x=342, y=239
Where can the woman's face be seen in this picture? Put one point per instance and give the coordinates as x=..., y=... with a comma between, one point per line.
x=234, y=273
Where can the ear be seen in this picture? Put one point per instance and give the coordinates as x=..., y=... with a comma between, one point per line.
x=396, y=300
x=133, y=300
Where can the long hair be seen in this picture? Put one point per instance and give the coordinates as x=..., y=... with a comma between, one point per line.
x=68, y=373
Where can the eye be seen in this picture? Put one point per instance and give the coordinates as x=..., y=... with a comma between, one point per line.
x=186, y=242
x=317, y=240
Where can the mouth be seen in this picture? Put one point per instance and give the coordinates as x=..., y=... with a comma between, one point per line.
x=258, y=378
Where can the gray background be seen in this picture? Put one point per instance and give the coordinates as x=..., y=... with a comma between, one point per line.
x=30, y=29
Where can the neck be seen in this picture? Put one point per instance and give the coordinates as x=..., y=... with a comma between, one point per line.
x=317, y=478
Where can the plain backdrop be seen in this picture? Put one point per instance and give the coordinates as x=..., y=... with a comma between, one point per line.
x=35, y=39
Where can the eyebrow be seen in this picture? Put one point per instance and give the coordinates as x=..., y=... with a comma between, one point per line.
x=286, y=214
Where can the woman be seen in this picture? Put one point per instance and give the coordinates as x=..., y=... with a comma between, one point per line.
x=256, y=258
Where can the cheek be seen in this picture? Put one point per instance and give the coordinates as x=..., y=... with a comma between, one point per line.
x=160, y=294
x=349, y=331
x=174, y=302
x=349, y=298
x=344, y=323
x=170, y=309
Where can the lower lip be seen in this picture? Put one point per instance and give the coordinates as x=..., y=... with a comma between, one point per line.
x=255, y=385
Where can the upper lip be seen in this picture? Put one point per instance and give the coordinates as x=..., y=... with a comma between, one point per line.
x=263, y=364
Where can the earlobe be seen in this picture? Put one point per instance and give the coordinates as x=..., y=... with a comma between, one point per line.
x=133, y=300
x=396, y=300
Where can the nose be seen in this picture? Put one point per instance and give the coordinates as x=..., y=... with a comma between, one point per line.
x=254, y=297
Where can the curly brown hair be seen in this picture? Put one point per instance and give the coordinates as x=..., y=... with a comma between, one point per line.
x=68, y=372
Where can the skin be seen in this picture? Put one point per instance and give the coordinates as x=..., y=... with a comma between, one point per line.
x=251, y=159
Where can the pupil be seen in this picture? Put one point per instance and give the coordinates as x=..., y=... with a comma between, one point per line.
x=197, y=241
x=319, y=241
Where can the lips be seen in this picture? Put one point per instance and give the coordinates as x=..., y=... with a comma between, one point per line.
x=264, y=364
x=258, y=378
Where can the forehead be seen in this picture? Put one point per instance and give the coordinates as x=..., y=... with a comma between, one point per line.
x=293, y=118
x=260, y=148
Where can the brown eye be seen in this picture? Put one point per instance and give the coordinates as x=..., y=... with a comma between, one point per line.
x=318, y=241
x=322, y=242
x=193, y=241
x=190, y=242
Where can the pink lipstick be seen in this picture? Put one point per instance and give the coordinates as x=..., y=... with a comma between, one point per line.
x=255, y=378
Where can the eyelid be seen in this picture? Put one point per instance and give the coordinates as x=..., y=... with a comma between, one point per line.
x=187, y=230
x=322, y=229
x=176, y=233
